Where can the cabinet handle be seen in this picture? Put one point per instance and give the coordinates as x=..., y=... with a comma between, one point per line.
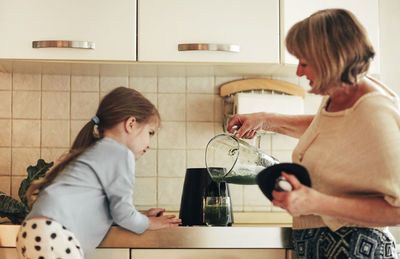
x=209, y=47
x=63, y=44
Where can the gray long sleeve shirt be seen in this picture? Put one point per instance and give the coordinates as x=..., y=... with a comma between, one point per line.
x=92, y=192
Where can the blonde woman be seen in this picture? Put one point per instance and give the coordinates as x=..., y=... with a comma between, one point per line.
x=350, y=147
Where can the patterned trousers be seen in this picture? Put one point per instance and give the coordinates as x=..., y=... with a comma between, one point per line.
x=345, y=243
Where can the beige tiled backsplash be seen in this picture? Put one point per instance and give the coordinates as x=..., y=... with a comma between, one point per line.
x=40, y=115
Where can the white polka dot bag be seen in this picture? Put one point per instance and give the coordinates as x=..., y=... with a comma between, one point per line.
x=42, y=238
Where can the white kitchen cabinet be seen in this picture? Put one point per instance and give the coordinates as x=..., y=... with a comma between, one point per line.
x=110, y=253
x=252, y=26
x=99, y=253
x=208, y=253
x=8, y=253
x=367, y=11
x=110, y=25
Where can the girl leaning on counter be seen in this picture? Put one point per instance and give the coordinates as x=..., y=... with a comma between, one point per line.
x=350, y=147
x=92, y=187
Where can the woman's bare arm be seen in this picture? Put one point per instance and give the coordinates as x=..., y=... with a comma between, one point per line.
x=290, y=125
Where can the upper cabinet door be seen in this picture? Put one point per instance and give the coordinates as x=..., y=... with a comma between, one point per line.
x=208, y=31
x=366, y=11
x=83, y=30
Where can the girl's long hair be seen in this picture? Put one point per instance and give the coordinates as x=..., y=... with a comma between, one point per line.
x=117, y=106
x=334, y=44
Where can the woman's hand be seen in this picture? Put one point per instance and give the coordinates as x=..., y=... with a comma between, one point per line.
x=300, y=201
x=367, y=211
x=166, y=221
x=247, y=124
x=154, y=212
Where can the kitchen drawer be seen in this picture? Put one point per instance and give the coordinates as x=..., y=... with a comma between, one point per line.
x=208, y=253
x=110, y=253
x=8, y=253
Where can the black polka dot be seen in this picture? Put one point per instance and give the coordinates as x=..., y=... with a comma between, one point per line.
x=17, y=238
x=24, y=224
x=52, y=248
x=23, y=250
x=78, y=247
x=54, y=235
x=24, y=235
x=37, y=248
x=34, y=225
x=48, y=222
x=41, y=257
x=68, y=251
x=64, y=227
x=37, y=239
x=69, y=238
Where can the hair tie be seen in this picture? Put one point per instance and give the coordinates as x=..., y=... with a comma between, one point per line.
x=96, y=120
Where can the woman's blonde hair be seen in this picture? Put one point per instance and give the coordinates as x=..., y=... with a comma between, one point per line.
x=117, y=106
x=334, y=44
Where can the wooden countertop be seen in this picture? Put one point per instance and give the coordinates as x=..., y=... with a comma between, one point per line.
x=183, y=237
x=250, y=230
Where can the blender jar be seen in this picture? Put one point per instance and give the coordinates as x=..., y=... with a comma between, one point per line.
x=235, y=161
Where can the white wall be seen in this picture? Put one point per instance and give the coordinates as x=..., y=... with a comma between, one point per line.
x=390, y=38
x=390, y=67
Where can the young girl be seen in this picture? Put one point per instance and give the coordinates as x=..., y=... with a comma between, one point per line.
x=92, y=187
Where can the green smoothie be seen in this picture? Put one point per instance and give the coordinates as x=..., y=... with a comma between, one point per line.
x=241, y=179
x=236, y=179
x=217, y=215
x=240, y=175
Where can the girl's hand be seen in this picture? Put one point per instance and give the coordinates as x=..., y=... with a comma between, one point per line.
x=248, y=124
x=166, y=221
x=154, y=212
x=302, y=200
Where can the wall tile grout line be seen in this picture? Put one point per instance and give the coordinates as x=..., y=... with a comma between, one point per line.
x=157, y=153
x=41, y=117
x=11, y=133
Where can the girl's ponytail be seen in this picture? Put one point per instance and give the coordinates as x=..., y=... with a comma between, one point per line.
x=88, y=135
x=86, y=138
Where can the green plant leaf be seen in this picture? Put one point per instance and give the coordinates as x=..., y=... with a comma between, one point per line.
x=13, y=209
x=34, y=173
x=16, y=210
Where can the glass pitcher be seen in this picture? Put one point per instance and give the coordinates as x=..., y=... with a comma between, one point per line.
x=235, y=161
